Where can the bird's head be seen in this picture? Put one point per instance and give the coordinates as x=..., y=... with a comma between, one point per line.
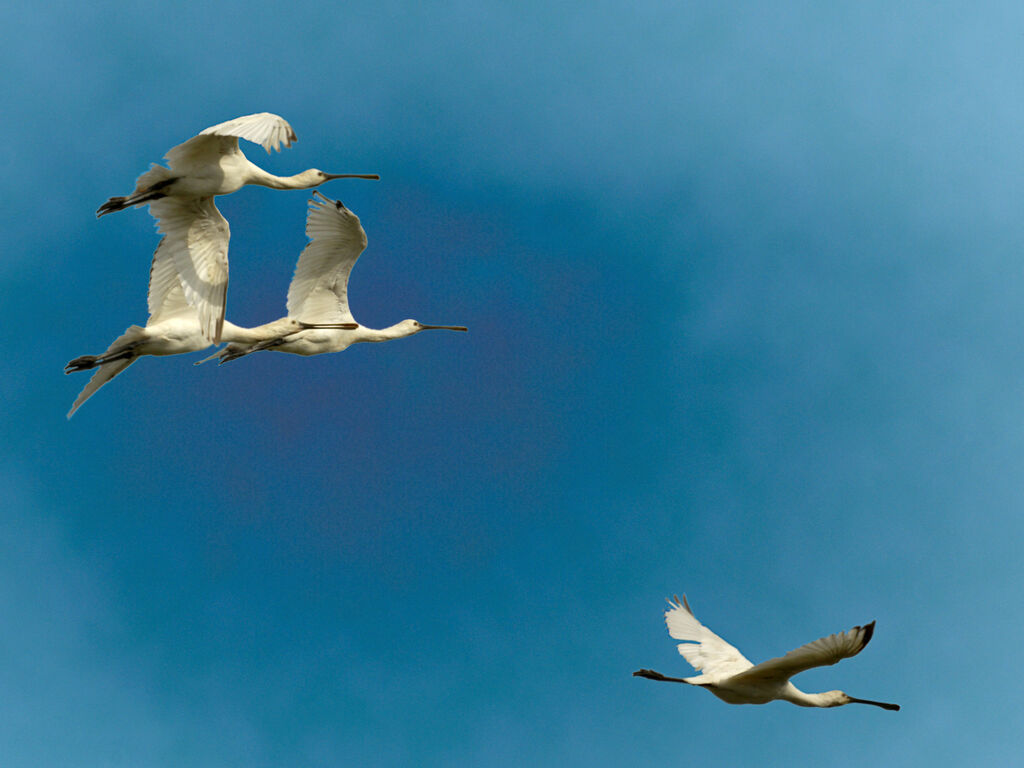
x=835, y=698
x=315, y=177
x=414, y=326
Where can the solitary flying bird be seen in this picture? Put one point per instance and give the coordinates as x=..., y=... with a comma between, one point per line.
x=733, y=679
x=212, y=164
x=318, y=294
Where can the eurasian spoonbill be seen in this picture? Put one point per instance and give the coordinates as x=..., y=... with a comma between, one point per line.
x=212, y=164
x=733, y=679
x=318, y=294
x=173, y=328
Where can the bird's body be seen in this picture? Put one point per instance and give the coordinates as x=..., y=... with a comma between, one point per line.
x=181, y=200
x=318, y=294
x=173, y=328
x=732, y=678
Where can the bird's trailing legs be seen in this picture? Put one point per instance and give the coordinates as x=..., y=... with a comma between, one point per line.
x=650, y=674
x=122, y=202
x=86, y=362
x=235, y=351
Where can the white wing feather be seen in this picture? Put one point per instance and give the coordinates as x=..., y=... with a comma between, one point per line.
x=196, y=240
x=319, y=290
x=206, y=148
x=103, y=374
x=166, y=296
x=706, y=651
x=821, y=653
x=268, y=130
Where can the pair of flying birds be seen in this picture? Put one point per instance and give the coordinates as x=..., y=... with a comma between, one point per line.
x=188, y=278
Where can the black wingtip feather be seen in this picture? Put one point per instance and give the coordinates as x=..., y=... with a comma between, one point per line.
x=869, y=631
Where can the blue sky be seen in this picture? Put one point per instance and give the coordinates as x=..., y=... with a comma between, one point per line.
x=746, y=311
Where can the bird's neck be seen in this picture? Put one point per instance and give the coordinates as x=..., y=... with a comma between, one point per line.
x=303, y=180
x=397, y=331
x=794, y=695
x=232, y=333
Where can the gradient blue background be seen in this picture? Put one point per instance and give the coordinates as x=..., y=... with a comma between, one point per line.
x=746, y=308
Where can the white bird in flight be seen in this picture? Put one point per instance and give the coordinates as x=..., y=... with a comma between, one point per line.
x=733, y=679
x=181, y=200
x=212, y=164
x=173, y=328
x=318, y=294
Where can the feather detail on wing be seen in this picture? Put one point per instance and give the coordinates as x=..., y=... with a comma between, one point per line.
x=820, y=653
x=319, y=289
x=197, y=244
x=268, y=130
x=166, y=296
x=706, y=651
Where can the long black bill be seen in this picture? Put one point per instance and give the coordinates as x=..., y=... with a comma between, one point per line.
x=882, y=704
x=443, y=327
x=373, y=176
x=345, y=326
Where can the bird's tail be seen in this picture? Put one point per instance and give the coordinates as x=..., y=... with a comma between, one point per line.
x=118, y=356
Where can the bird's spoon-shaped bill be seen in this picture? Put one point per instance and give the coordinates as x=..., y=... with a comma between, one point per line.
x=373, y=176
x=882, y=704
x=443, y=327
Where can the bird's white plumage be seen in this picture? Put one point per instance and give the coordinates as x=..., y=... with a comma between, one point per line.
x=167, y=306
x=212, y=163
x=731, y=677
x=319, y=289
x=264, y=128
x=173, y=328
x=196, y=238
x=318, y=294
x=706, y=651
x=821, y=653
x=166, y=296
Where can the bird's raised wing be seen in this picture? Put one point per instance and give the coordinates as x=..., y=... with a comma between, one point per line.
x=820, y=653
x=706, y=651
x=319, y=290
x=196, y=242
x=268, y=130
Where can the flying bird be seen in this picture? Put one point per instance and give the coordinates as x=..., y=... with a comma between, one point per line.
x=212, y=164
x=318, y=294
x=173, y=328
x=733, y=679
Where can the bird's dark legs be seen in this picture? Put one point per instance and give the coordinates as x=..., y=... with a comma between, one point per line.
x=85, y=362
x=650, y=674
x=120, y=203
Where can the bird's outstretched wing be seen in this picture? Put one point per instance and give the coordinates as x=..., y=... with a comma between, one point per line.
x=706, y=651
x=319, y=290
x=268, y=130
x=820, y=653
x=196, y=242
x=166, y=295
